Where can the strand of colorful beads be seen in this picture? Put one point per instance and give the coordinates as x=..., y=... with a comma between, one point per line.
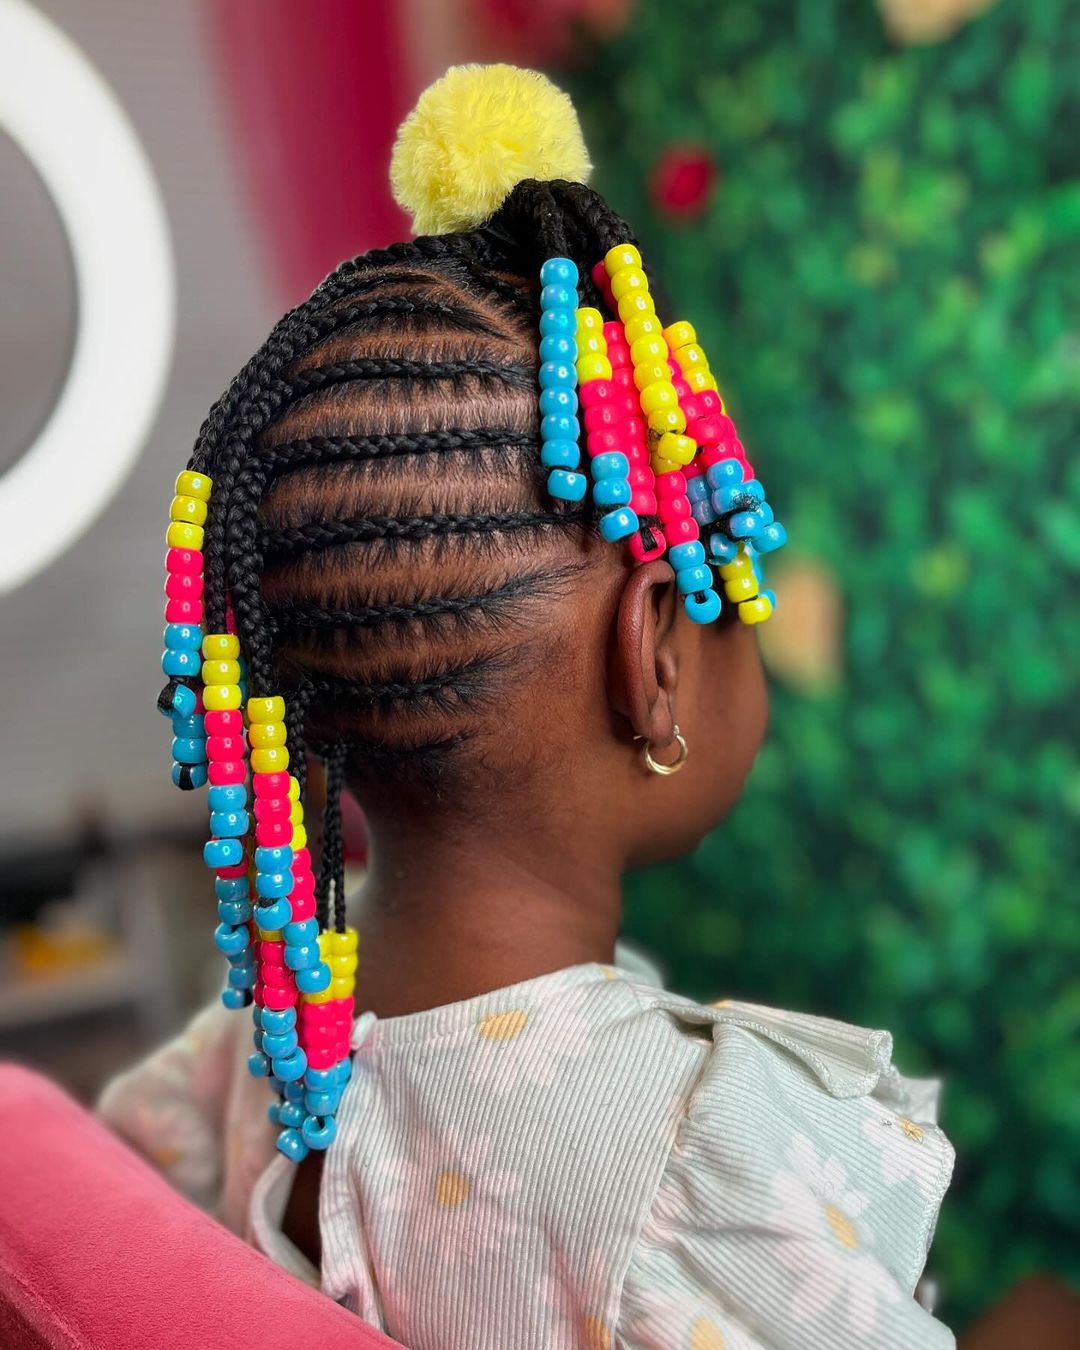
x=183, y=628
x=559, y=426
x=614, y=448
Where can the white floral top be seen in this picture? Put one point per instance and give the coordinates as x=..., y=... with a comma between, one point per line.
x=585, y=1160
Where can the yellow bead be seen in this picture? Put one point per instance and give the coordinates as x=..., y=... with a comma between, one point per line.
x=635, y=304
x=691, y=357
x=190, y=484
x=651, y=372
x=589, y=319
x=756, y=610
x=343, y=987
x=661, y=465
x=666, y=419
x=710, y=382
x=294, y=789
x=630, y=281
x=681, y=449
x=221, y=646
x=740, y=565
x=326, y=948
x=221, y=697
x=697, y=379
x=344, y=965
x=296, y=813
x=299, y=837
x=323, y=996
x=591, y=344
x=642, y=325
x=593, y=367
x=659, y=394
x=741, y=588
x=270, y=934
x=620, y=257
x=271, y=760
x=262, y=734
x=188, y=510
x=649, y=349
x=341, y=944
x=181, y=535
x=221, y=672
x=266, y=709
x=679, y=334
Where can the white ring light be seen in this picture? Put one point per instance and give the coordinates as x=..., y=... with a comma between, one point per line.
x=69, y=125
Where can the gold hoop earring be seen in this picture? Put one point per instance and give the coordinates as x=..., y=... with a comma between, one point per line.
x=666, y=770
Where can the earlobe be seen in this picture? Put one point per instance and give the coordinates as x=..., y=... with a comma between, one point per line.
x=645, y=666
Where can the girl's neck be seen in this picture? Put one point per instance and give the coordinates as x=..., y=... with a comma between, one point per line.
x=445, y=917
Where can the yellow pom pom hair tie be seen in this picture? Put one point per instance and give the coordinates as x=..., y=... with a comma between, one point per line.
x=473, y=136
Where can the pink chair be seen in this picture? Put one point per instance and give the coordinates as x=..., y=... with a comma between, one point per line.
x=98, y=1253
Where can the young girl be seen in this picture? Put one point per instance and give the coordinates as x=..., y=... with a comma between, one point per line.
x=382, y=556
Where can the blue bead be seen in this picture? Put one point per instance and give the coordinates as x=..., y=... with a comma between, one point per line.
x=258, y=1039
x=292, y=1145
x=752, y=488
x=230, y=939
x=294, y=1092
x=557, y=375
x=291, y=1067
x=258, y=1065
x=241, y=960
x=727, y=498
x=558, y=349
x=231, y=888
x=612, y=464
x=726, y=473
x=559, y=427
x=322, y=1103
x=321, y=1080
x=283, y=1043
x=276, y=1085
x=342, y=1070
x=229, y=824
x=175, y=662
x=223, y=852
x=745, y=525
x=277, y=1020
x=227, y=797
x=234, y=911
x=188, y=750
x=690, y=580
x=272, y=1114
x=234, y=999
x=721, y=548
x=560, y=455
x=193, y=727
x=558, y=403
x=275, y=915
x=567, y=487
x=271, y=885
x=558, y=323
x=765, y=511
x=319, y=1131
x=559, y=297
x=242, y=977
x=618, y=524
x=697, y=489
x=302, y=957
x=299, y=934
x=611, y=492
x=184, y=701
x=771, y=537
x=196, y=774
x=702, y=512
x=292, y=1113
x=183, y=637
x=703, y=609
x=559, y=272
x=690, y=554
x=277, y=859
x=771, y=597
x=314, y=979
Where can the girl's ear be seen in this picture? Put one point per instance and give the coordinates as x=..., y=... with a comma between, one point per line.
x=644, y=670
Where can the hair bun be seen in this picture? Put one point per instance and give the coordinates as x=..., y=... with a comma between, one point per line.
x=473, y=136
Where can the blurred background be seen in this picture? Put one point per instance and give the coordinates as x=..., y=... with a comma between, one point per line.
x=871, y=212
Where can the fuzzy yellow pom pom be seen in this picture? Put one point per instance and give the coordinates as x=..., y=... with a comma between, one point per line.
x=474, y=135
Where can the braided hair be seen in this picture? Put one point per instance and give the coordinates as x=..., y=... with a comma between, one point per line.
x=379, y=527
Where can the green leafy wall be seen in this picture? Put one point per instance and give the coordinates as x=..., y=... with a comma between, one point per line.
x=887, y=277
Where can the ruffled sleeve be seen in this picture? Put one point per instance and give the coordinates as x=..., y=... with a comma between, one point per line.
x=800, y=1197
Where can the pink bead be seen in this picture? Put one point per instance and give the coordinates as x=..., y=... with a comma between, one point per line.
x=623, y=377
x=273, y=833
x=225, y=722
x=614, y=332
x=640, y=553
x=712, y=454
x=321, y=1057
x=271, y=784
x=710, y=401
x=644, y=503
x=692, y=409
x=302, y=860
x=682, y=389
x=183, y=611
x=693, y=470
x=184, y=586
x=670, y=485
x=673, y=508
x=683, y=531
x=303, y=905
x=272, y=808
x=231, y=872
x=258, y=993
x=641, y=478
x=225, y=747
x=316, y=1014
x=270, y=953
x=601, y=416
x=318, y=1037
x=595, y=393
x=277, y=997
x=603, y=442
x=276, y=977
x=346, y=1007
x=185, y=561
x=618, y=353
x=225, y=771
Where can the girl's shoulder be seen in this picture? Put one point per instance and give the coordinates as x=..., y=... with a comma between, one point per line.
x=800, y=1195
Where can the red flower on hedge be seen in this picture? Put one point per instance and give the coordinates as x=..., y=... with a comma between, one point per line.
x=681, y=181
